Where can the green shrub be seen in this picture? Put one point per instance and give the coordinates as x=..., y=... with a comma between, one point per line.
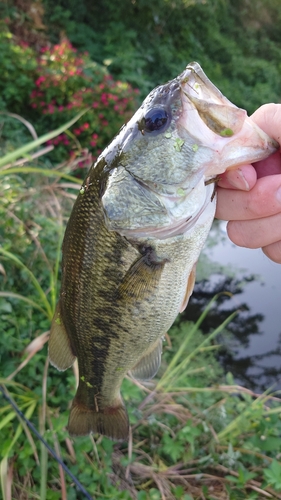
x=18, y=63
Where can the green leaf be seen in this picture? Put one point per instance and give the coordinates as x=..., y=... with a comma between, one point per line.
x=273, y=474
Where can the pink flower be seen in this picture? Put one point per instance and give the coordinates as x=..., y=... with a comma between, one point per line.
x=93, y=143
x=85, y=126
x=94, y=136
x=39, y=80
x=104, y=99
x=95, y=104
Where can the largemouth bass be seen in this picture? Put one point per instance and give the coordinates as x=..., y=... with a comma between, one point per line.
x=134, y=237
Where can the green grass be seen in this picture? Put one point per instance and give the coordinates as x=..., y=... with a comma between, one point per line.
x=195, y=433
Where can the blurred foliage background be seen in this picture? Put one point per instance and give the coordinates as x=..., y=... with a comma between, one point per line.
x=57, y=58
x=145, y=43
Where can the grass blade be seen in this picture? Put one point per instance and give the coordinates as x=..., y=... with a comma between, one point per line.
x=35, y=282
x=42, y=171
x=4, y=478
x=175, y=367
x=10, y=157
x=13, y=295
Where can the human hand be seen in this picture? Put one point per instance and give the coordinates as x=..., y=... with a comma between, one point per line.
x=250, y=197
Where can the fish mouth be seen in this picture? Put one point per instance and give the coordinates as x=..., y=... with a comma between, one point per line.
x=226, y=129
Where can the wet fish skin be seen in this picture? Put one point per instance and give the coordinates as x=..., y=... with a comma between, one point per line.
x=134, y=237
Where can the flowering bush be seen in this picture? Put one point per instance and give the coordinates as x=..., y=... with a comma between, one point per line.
x=67, y=83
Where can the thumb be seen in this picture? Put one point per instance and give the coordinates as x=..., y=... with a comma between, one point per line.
x=268, y=118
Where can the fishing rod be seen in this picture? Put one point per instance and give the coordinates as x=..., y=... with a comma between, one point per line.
x=38, y=435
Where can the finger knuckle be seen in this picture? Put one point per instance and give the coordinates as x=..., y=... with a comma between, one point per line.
x=273, y=252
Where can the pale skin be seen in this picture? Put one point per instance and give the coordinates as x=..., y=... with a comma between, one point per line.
x=250, y=196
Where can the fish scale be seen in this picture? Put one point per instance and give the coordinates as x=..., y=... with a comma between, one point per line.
x=134, y=236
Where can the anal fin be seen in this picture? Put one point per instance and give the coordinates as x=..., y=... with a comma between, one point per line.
x=60, y=353
x=149, y=364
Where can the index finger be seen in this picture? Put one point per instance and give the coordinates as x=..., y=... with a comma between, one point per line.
x=268, y=117
x=261, y=201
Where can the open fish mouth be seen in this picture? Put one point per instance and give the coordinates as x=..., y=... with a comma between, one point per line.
x=226, y=128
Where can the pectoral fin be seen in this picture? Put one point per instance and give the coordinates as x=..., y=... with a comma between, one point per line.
x=142, y=279
x=189, y=288
x=149, y=364
x=60, y=353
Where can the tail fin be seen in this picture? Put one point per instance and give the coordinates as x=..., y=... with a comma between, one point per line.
x=112, y=421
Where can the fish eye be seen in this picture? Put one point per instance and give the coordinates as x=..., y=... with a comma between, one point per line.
x=156, y=119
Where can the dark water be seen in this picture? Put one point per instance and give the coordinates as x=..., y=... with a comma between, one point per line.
x=253, y=350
